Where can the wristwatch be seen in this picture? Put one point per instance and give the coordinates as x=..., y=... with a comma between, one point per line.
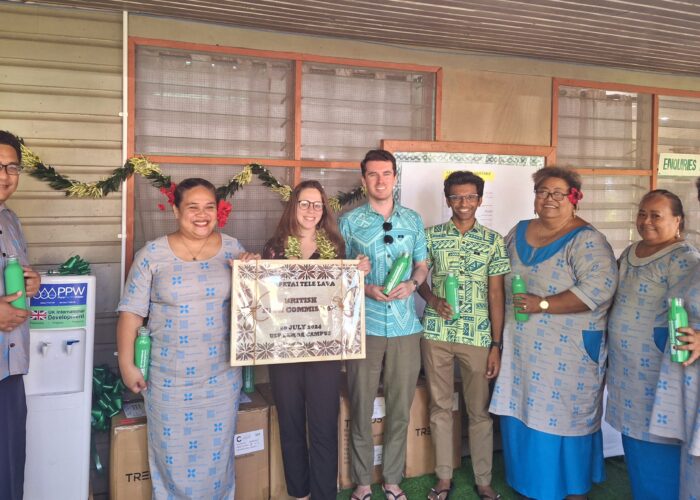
x=544, y=304
x=415, y=284
x=496, y=343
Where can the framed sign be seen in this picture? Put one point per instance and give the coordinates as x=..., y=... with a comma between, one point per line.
x=287, y=311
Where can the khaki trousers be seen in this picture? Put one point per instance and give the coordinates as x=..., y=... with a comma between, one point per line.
x=401, y=358
x=438, y=363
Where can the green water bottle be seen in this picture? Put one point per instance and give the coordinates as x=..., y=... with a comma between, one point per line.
x=142, y=350
x=248, y=379
x=677, y=318
x=518, y=286
x=14, y=282
x=396, y=273
x=452, y=295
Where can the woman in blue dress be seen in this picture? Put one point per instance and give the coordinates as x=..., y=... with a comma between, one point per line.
x=182, y=283
x=549, y=392
x=637, y=335
x=676, y=411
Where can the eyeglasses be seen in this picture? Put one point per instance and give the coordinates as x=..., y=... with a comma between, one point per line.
x=11, y=168
x=388, y=226
x=306, y=205
x=543, y=194
x=471, y=198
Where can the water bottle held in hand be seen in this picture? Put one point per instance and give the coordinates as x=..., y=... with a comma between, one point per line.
x=396, y=273
x=677, y=318
x=142, y=351
x=14, y=282
x=452, y=295
x=518, y=286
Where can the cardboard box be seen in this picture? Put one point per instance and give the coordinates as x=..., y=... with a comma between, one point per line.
x=129, y=475
x=278, y=484
x=420, y=453
x=344, y=479
x=251, y=448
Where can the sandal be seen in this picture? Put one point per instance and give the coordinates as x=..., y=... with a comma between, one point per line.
x=394, y=496
x=367, y=496
x=435, y=494
x=484, y=496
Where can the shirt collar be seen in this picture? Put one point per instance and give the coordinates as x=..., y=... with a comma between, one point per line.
x=451, y=228
x=397, y=210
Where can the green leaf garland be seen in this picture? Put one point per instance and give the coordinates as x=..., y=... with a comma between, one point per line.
x=142, y=166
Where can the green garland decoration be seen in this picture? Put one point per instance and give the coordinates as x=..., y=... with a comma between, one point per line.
x=142, y=166
x=325, y=248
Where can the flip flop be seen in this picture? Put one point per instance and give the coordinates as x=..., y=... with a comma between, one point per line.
x=394, y=496
x=437, y=493
x=368, y=496
x=484, y=496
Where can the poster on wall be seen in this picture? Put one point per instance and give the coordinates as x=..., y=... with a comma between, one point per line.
x=508, y=192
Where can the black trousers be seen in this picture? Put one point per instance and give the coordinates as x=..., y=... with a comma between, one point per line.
x=308, y=391
x=13, y=437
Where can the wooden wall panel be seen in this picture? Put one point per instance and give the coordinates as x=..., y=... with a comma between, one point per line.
x=61, y=89
x=496, y=107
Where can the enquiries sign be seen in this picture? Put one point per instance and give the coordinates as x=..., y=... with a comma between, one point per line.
x=679, y=165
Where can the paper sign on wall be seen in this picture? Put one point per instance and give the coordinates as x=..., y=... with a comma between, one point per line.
x=679, y=165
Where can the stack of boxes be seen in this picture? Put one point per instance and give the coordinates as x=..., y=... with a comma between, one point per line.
x=259, y=470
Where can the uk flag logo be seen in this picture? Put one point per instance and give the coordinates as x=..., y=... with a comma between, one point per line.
x=39, y=315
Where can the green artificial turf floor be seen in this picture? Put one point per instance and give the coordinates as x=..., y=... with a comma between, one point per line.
x=615, y=487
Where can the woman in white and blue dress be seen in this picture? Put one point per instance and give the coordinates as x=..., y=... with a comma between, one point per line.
x=637, y=337
x=182, y=283
x=549, y=392
x=676, y=411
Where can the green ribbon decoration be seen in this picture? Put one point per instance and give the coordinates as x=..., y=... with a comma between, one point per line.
x=74, y=265
x=107, y=389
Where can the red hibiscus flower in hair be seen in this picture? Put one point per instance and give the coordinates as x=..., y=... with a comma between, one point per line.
x=574, y=196
x=222, y=212
x=169, y=192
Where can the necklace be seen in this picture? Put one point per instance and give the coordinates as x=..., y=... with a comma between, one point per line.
x=194, y=255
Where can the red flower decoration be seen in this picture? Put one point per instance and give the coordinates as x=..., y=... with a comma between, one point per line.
x=222, y=212
x=161, y=207
x=574, y=196
x=169, y=192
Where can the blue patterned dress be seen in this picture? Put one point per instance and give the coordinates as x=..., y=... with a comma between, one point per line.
x=638, y=331
x=193, y=392
x=676, y=411
x=550, y=388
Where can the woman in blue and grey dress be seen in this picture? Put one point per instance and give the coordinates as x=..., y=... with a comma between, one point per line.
x=638, y=331
x=550, y=388
x=182, y=283
x=676, y=411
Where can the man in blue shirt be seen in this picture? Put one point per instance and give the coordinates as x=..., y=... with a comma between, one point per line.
x=383, y=230
x=14, y=330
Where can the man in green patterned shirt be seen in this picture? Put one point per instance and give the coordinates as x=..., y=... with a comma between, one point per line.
x=477, y=257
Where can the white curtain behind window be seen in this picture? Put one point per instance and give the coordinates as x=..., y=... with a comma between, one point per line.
x=603, y=128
